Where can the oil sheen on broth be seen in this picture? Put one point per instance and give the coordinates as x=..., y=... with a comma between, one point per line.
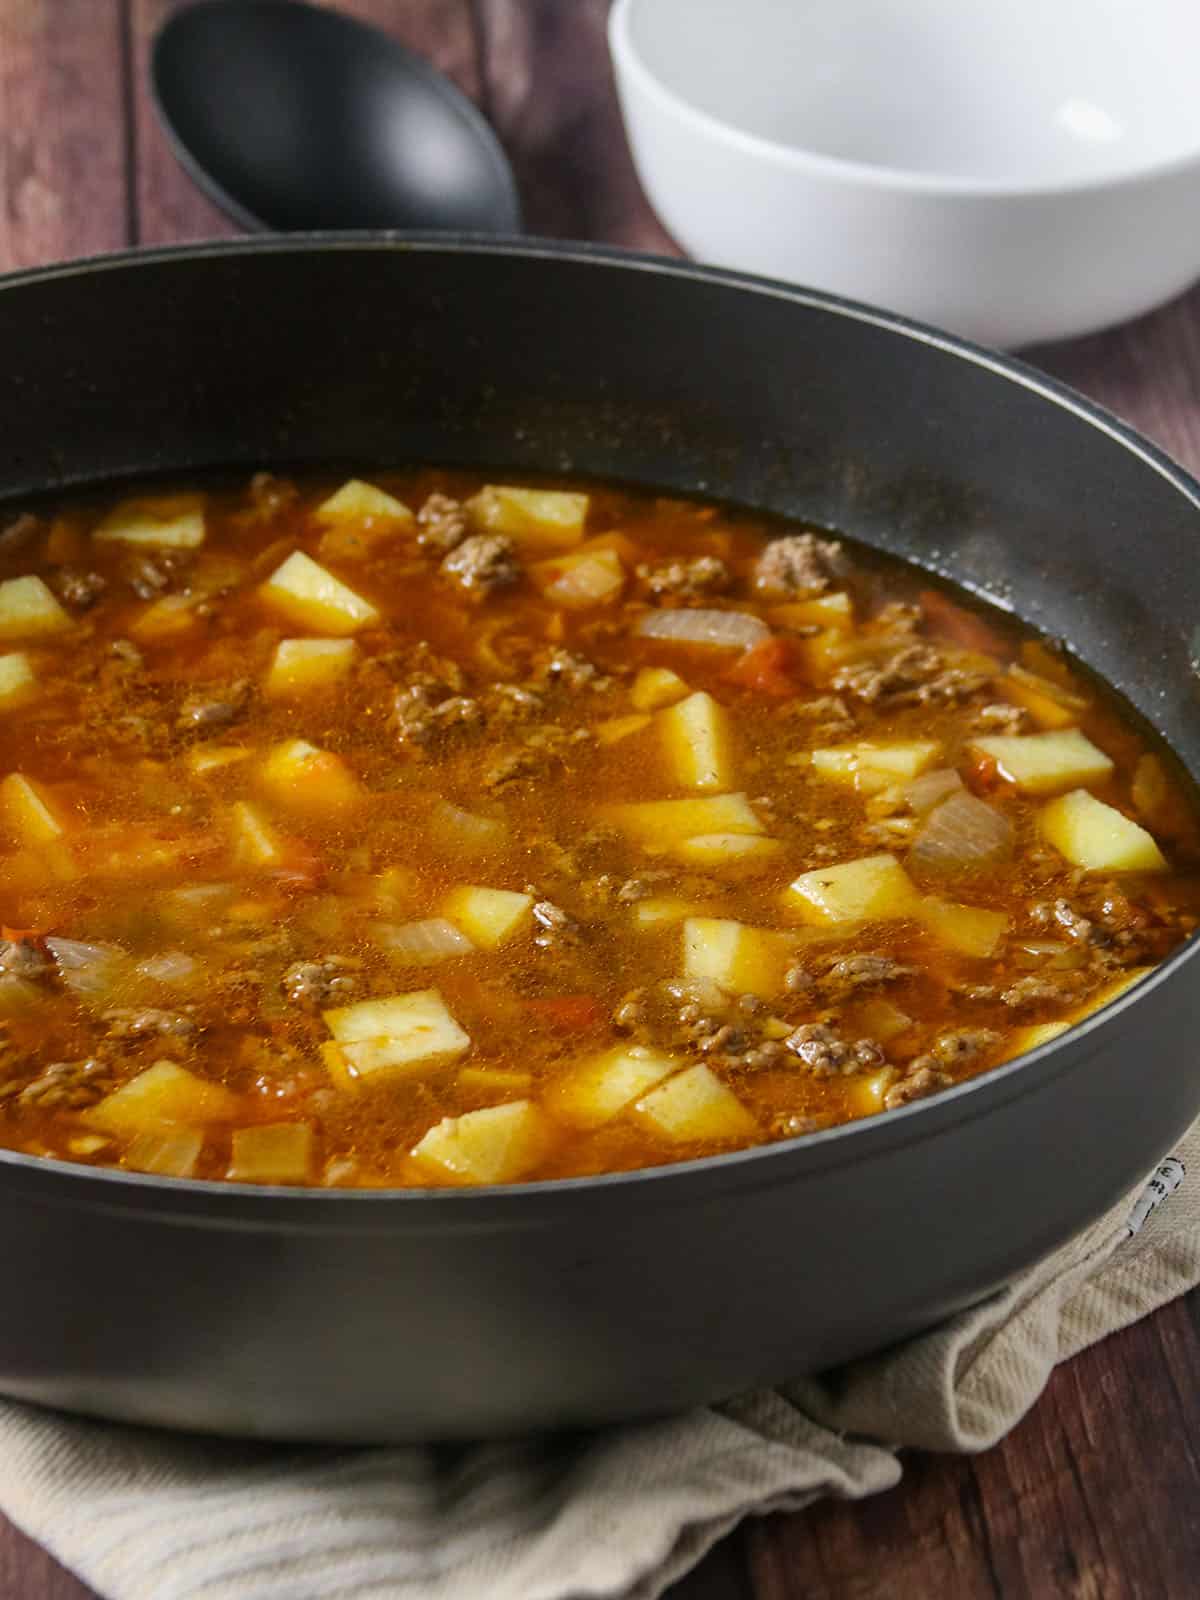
x=426, y=831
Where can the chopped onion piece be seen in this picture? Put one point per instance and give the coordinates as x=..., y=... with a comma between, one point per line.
x=1052, y=953
x=962, y=832
x=93, y=971
x=173, y=966
x=923, y=793
x=415, y=943
x=725, y=630
x=169, y=1152
x=457, y=829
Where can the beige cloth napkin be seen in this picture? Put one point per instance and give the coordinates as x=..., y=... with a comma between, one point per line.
x=142, y=1515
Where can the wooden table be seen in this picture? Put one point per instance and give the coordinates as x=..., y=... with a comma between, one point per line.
x=1096, y=1495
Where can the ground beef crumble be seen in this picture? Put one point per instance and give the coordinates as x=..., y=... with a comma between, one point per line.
x=483, y=563
x=685, y=579
x=797, y=566
x=78, y=588
x=323, y=981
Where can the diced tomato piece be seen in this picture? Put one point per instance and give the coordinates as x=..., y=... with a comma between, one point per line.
x=770, y=668
x=572, y=1011
x=961, y=626
x=302, y=868
x=982, y=771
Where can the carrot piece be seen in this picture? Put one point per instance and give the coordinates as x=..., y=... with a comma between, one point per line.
x=960, y=626
x=768, y=668
x=573, y=1011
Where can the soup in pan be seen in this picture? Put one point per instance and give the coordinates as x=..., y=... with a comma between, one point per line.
x=429, y=831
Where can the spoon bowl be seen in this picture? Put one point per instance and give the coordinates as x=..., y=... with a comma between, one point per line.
x=294, y=118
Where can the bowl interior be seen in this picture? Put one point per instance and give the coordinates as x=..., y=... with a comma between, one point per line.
x=1020, y=93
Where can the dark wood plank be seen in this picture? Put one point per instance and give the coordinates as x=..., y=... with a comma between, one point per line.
x=168, y=206
x=1148, y=372
x=1095, y=1494
x=28, y=1573
x=550, y=97
x=62, y=156
x=724, y=1574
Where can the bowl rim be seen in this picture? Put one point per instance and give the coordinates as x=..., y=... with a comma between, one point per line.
x=897, y=181
x=221, y=1202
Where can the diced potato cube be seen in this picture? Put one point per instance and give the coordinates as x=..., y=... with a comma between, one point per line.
x=307, y=781
x=274, y=1152
x=497, y=1144
x=168, y=618
x=165, y=1092
x=580, y=579
x=495, y=1080
x=174, y=522
x=17, y=681
x=617, y=728
x=1097, y=836
x=300, y=665
x=865, y=1093
x=169, y=1152
x=904, y=759
x=879, y=1019
x=655, y=687
x=971, y=930
x=540, y=519
x=310, y=595
x=488, y=917
x=741, y=959
x=662, y=910
x=26, y=813
x=828, y=650
x=1048, y=703
x=88, y=1144
x=28, y=608
x=202, y=758
x=357, y=501
x=593, y=1092
x=1113, y=991
x=421, y=943
x=404, y=1033
x=698, y=742
x=824, y=611
x=694, y=1105
x=1029, y=1038
x=256, y=845
x=866, y=890
x=742, y=852
x=659, y=824
x=1040, y=763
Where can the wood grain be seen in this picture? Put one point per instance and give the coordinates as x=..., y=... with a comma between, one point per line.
x=1096, y=1495
x=1148, y=372
x=62, y=156
x=551, y=99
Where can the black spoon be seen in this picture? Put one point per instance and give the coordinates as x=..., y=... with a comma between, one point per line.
x=294, y=118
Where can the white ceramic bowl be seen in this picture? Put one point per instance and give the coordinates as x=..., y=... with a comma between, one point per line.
x=1013, y=170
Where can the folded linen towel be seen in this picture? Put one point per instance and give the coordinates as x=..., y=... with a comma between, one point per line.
x=142, y=1515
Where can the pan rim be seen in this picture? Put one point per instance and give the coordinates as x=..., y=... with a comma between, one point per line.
x=806, y=1157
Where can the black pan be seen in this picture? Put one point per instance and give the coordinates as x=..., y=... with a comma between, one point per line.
x=377, y=1315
